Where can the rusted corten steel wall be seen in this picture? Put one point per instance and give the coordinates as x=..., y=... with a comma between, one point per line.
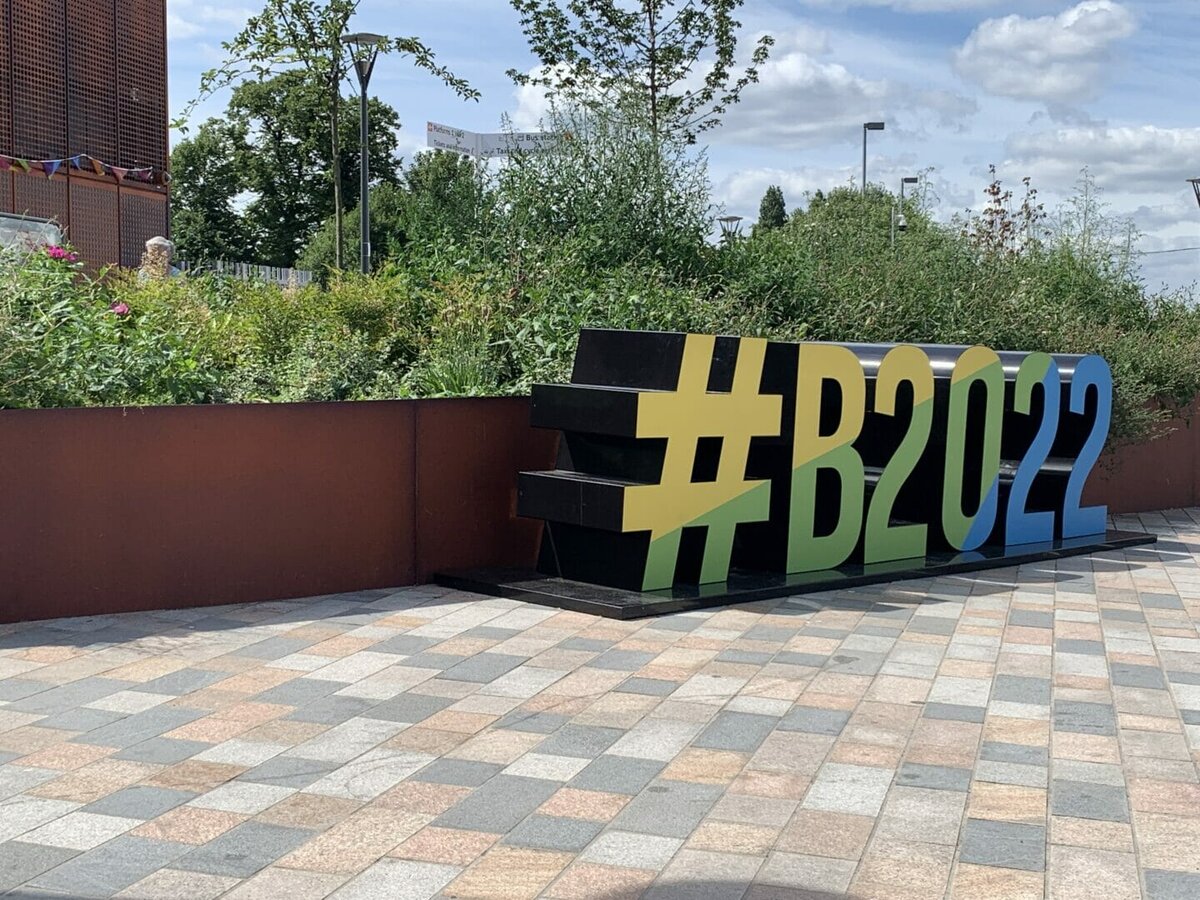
x=86, y=76
x=112, y=510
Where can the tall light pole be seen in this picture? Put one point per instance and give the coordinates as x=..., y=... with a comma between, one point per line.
x=364, y=48
x=730, y=226
x=898, y=220
x=1195, y=183
x=868, y=126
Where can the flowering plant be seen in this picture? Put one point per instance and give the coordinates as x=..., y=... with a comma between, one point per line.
x=61, y=254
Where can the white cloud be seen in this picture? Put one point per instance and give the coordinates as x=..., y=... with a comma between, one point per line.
x=919, y=6
x=1056, y=59
x=1122, y=159
x=187, y=19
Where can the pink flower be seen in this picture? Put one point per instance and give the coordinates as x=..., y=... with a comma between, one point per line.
x=55, y=252
x=120, y=309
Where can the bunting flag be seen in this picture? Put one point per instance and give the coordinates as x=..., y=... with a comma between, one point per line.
x=81, y=161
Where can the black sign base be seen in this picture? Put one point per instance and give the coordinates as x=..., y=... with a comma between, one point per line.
x=745, y=587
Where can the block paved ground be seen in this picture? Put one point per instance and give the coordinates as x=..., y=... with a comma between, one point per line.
x=1020, y=733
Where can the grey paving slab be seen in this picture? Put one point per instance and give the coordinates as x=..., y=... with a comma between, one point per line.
x=1021, y=689
x=140, y=802
x=1160, y=601
x=748, y=657
x=81, y=719
x=1127, y=675
x=1084, y=718
x=408, y=707
x=1087, y=800
x=954, y=712
x=483, y=667
x=404, y=645
x=582, y=741
x=1110, y=614
x=617, y=774
x=182, y=682
x=274, y=648
x=68, y=696
x=289, y=771
x=587, y=645
x=1015, y=753
x=654, y=687
x=943, y=778
x=141, y=726
x=462, y=772
x=110, y=867
x=794, y=658
x=668, y=808
x=553, y=833
x=395, y=879
x=621, y=660
x=332, y=710
x=165, y=751
x=20, y=862
x=430, y=660
x=1028, y=618
x=243, y=850
x=737, y=731
x=498, y=805
x=813, y=720
x=537, y=722
x=1005, y=844
x=932, y=625
x=1162, y=884
x=18, y=688
x=300, y=691
x=1074, y=645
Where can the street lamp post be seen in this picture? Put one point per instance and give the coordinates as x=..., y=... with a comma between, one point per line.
x=730, y=226
x=364, y=50
x=898, y=220
x=1195, y=183
x=868, y=126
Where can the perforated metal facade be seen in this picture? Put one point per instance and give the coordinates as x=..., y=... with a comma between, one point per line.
x=86, y=77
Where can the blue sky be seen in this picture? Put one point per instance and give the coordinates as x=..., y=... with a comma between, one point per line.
x=1037, y=87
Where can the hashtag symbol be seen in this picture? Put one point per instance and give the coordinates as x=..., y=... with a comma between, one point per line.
x=682, y=417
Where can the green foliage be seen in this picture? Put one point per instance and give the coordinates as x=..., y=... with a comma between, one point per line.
x=644, y=58
x=772, y=213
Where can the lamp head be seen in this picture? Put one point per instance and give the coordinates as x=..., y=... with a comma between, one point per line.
x=363, y=39
x=874, y=126
x=910, y=179
x=901, y=223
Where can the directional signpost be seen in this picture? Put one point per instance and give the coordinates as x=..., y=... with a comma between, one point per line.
x=486, y=145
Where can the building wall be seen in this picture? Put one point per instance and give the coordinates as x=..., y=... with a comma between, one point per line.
x=86, y=76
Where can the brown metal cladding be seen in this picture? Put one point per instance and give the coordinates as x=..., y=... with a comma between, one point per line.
x=143, y=215
x=37, y=195
x=6, y=141
x=93, y=210
x=142, y=83
x=92, y=83
x=6, y=192
x=39, y=78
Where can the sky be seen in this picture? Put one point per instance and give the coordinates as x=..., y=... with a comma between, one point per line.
x=1037, y=88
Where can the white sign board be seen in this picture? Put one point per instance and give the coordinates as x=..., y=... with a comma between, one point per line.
x=487, y=145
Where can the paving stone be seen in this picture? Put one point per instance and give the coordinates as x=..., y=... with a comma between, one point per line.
x=398, y=879
x=932, y=625
x=942, y=778
x=536, y=722
x=1086, y=800
x=1126, y=675
x=428, y=660
x=1004, y=844
x=243, y=850
x=668, y=808
x=954, y=712
x=68, y=696
x=553, y=833
x=589, y=645
x=1165, y=885
x=1084, y=718
x=483, y=667
x=654, y=687
x=141, y=726
x=299, y=691
x=747, y=657
x=408, y=707
x=165, y=751
x=288, y=771
x=181, y=682
x=629, y=849
x=18, y=689
x=21, y=862
x=1072, y=645
x=1160, y=601
x=110, y=867
x=621, y=660
x=1021, y=689
x=736, y=731
x=1024, y=754
x=793, y=658
x=585, y=741
x=333, y=709
x=845, y=788
x=815, y=721
x=617, y=774
x=462, y=772
x=139, y=802
x=274, y=648
x=404, y=645
x=1027, y=618
x=82, y=719
x=498, y=805
x=1122, y=615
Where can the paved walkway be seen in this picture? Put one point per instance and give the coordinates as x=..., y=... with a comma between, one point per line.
x=1019, y=733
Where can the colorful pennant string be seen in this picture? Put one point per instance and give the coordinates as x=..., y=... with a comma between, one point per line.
x=147, y=174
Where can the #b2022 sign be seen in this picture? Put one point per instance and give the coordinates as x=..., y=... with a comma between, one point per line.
x=684, y=457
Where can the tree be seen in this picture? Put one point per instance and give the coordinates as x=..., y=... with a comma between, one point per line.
x=265, y=167
x=306, y=35
x=644, y=55
x=772, y=213
x=206, y=179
